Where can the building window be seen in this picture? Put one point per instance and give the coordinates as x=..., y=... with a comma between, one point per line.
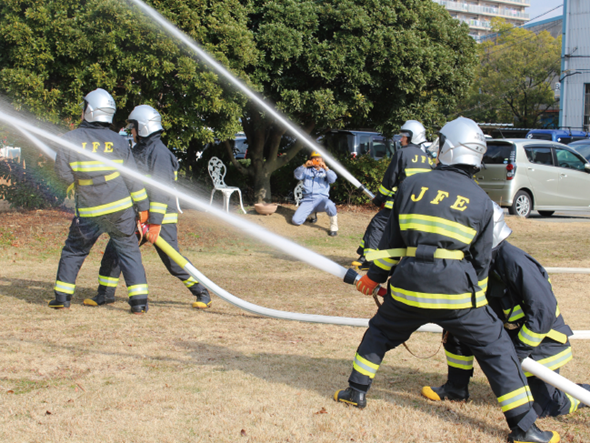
x=587, y=107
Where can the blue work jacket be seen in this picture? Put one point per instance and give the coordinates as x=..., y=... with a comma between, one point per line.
x=315, y=181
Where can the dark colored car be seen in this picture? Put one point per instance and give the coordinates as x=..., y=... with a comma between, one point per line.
x=582, y=147
x=357, y=143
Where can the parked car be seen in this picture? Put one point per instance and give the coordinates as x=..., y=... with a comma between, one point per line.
x=582, y=147
x=557, y=135
x=527, y=174
x=357, y=143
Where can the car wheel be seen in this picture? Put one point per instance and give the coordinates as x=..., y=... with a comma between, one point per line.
x=546, y=213
x=522, y=204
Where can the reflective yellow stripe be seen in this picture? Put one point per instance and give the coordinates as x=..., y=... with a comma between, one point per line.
x=95, y=211
x=138, y=196
x=364, y=366
x=137, y=290
x=108, y=281
x=437, y=225
x=190, y=282
x=459, y=361
x=158, y=208
x=170, y=218
x=529, y=337
x=574, y=403
x=515, y=398
x=386, y=192
x=411, y=252
x=557, y=336
x=411, y=171
x=66, y=288
x=175, y=175
x=483, y=284
x=438, y=301
x=93, y=166
x=388, y=204
x=385, y=263
x=517, y=313
x=92, y=181
x=556, y=361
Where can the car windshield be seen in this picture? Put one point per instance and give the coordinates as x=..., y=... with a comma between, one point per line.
x=338, y=142
x=582, y=148
x=498, y=153
x=382, y=148
x=541, y=136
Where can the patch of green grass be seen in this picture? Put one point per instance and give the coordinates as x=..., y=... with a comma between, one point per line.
x=25, y=386
x=6, y=237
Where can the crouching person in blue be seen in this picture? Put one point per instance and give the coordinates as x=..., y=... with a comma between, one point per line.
x=520, y=293
x=317, y=179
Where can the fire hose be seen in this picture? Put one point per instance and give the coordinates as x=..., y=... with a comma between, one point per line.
x=528, y=364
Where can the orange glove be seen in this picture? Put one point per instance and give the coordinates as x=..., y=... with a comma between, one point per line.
x=153, y=233
x=143, y=216
x=366, y=285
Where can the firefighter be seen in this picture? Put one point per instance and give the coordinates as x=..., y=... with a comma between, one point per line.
x=154, y=160
x=441, y=227
x=317, y=178
x=411, y=159
x=520, y=294
x=104, y=202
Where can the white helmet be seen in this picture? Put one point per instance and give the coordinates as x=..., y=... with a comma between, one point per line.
x=99, y=106
x=415, y=132
x=461, y=143
x=501, y=229
x=146, y=120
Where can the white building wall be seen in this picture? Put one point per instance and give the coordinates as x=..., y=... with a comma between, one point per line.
x=575, y=64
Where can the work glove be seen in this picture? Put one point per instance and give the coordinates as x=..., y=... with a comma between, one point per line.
x=153, y=233
x=366, y=285
x=143, y=216
x=377, y=202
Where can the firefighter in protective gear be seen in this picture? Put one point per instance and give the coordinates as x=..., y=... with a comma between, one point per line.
x=441, y=232
x=104, y=202
x=408, y=161
x=154, y=160
x=520, y=294
x=317, y=178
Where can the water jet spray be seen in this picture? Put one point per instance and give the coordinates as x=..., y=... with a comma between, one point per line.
x=221, y=70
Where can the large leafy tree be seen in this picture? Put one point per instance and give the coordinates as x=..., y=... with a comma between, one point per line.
x=53, y=52
x=350, y=63
x=513, y=81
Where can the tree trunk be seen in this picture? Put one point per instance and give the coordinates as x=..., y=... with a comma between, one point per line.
x=262, y=191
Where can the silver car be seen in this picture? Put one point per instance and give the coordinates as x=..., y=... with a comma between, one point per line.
x=525, y=174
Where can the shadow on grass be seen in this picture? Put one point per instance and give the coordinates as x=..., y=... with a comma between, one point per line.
x=397, y=385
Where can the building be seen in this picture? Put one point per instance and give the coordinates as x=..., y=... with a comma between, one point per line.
x=479, y=13
x=574, y=112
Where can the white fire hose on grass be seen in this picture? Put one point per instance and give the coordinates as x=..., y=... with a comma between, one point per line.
x=528, y=365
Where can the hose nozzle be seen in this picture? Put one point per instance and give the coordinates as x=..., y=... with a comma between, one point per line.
x=351, y=277
x=362, y=188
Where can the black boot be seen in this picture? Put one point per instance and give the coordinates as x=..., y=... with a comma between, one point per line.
x=533, y=435
x=448, y=391
x=57, y=304
x=352, y=397
x=314, y=218
x=138, y=306
x=203, y=300
x=99, y=300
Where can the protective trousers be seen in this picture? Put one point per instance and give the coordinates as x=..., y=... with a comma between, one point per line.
x=549, y=401
x=374, y=232
x=120, y=226
x=108, y=275
x=479, y=327
x=309, y=204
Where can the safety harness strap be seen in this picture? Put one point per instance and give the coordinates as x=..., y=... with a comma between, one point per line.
x=411, y=252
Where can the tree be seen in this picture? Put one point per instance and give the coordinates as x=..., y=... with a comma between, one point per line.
x=53, y=52
x=513, y=81
x=350, y=63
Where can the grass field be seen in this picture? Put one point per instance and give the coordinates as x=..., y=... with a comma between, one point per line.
x=223, y=375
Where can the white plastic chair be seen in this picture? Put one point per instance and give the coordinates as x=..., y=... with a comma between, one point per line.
x=298, y=192
x=217, y=171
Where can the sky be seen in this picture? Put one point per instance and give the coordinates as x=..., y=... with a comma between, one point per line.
x=538, y=7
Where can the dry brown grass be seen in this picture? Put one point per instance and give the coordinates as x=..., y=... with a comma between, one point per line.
x=177, y=375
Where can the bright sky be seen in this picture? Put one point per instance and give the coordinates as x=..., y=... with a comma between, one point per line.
x=539, y=7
